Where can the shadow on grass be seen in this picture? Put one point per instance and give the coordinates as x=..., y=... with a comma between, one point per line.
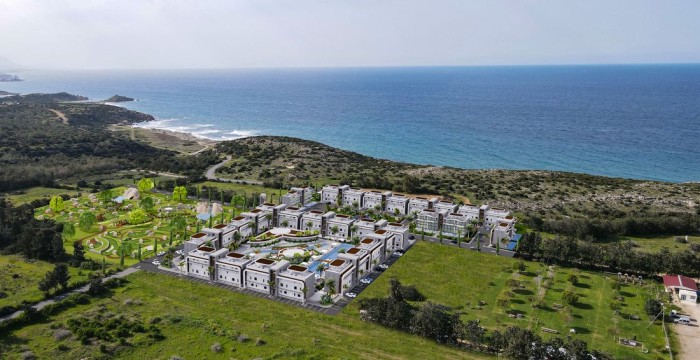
x=517, y=301
x=581, y=330
x=582, y=306
x=523, y=292
x=582, y=286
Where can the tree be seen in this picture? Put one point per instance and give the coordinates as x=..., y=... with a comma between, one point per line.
x=68, y=230
x=570, y=297
x=106, y=196
x=56, y=204
x=309, y=225
x=137, y=216
x=139, y=252
x=520, y=266
x=179, y=193
x=147, y=203
x=124, y=249
x=96, y=287
x=353, y=230
x=432, y=321
x=652, y=307
x=334, y=229
x=86, y=220
x=178, y=223
x=330, y=285
x=573, y=279
x=78, y=253
x=145, y=185
x=61, y=275
x=285, y=223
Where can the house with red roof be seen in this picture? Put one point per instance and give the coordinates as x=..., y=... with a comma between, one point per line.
x=685, y=288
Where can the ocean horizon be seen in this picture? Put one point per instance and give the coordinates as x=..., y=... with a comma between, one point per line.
x=631, y=121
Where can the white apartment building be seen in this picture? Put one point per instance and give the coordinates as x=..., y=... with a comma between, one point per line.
x=343, y=273
x=229, y=269
x=243, y=225
x=375, y=248
x=292, y=198
x=306, y=194
x=261, y=275
x=375, y=199
x=400, y=233
x=503, y=230
x=201, y=260
x=296, y=283
x=397, y=202
x=200, y=239
x=291, y=216
x=420, y=203
x=331, y=193
x=386, y=238
x=352, y=197
x=447, y=206
x=429, y=220
x=339, y=226
x=360, y=258
x=455, y=224
x=470, y=212
x=313, y=220
x=366, y=226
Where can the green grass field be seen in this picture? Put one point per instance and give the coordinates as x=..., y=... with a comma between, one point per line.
x=195, y=316
x=654, y=243
x=19, y=279
x=35, y=193
x=461, y=279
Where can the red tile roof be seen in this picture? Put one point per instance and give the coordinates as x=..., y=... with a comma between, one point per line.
x=680, y=281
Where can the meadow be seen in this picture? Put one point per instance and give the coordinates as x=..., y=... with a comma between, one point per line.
x=473, y=283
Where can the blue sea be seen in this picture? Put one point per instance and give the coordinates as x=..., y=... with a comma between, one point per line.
x=631, y=121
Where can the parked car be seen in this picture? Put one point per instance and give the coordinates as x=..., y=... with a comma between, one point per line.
x=411, y=237
x=366, y=280
x=682, y=320
x=351, y=295
x=383, y=266
x=156, y=263
x=396, y=253
x=400, y=251
x=180, y=252
x=161, y=253
x=377, y=268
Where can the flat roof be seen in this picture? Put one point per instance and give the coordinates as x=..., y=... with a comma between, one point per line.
x=353, y=251
x=199, y=235
x=255, y=211
x=265, y=261
x=220, y=226
x=235, y=255
x=205, y=249
x=367, y=241
x=316, y=212
x=342, y=216
x=380, y=232
x=239, y=218
x=395, y=224
x=337, y=262
x=297, y=268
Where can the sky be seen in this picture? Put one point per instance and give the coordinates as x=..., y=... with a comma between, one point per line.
x=177, y=34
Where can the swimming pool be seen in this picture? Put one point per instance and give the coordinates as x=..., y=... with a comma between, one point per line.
x=331, y=255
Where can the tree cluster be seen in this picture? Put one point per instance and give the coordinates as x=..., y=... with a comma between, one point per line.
x=622, y=257
x=439, y=323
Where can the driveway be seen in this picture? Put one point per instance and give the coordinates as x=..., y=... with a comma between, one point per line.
x=689, y=335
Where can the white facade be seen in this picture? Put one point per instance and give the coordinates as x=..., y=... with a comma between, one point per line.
x=397, y=202
x=689, y=297
x=229, y=269
x=200, y=261
x=375, y=199
x=343, y=273
x=366, y=226
x=306, y=194
x=501, y=231
x=260, y=275
x=352, y=197
x=429, y=220
x=446, y=206
x=341, y=223
x=419, y=204
x=313, y=220
x=296, y=283
x=400, y=233
x=331, y=193
x=292, y=216
x=375, y=248
x=470, y=212
x=455, y=224
x=292, y=198
x=360, y=258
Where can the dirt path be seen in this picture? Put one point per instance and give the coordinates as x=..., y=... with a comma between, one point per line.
x=210, y=174
x=61, y=115
x=689, y=335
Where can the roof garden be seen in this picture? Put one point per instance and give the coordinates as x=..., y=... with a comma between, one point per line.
x=220, y=226
x=297, y=268
x=337, y=262
x=265, y=261
x=395, y=224
x=239, y=218
x=367, y=241
x=380, y=232
x=205, y=249
x=235, y=255
x=199, y=235
x=353, y=251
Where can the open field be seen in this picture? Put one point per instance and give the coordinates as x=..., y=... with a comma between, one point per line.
x=19, y=279
x=193, y=317
x=654, y=243
x=36, y=193
x=163, y=139
x=461, y=279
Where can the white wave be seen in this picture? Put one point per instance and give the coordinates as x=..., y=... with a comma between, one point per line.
x=202, y=131
x=242, y=133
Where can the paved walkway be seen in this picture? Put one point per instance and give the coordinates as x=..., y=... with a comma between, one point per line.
x=83, y=289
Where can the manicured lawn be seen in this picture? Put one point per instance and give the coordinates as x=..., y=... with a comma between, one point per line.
x=19, y=279
x=462, y=279
x=195, y=316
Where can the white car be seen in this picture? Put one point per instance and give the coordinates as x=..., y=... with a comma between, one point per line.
x=156, y=263
x=384, y=266
x=161, y=253
x=180, y=252
x=366, y=280
x=351, y=295
x=397, y=253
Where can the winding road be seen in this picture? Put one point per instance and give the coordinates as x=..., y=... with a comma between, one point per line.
x=210, y=174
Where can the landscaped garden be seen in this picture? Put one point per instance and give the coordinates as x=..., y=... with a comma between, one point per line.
x=499, y=292
x=127, y=224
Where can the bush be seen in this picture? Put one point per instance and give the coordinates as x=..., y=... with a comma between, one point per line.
x=652, y=307
x=570, y=297
x=243, y=338
x=260, y=342
x=216, y=348
x=61, y=334
x=572, y=279
x=28, y=355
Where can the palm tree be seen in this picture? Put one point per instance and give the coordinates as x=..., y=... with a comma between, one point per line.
x=459, y=237
x=320, y=269
x=285, y=223
x=267, y=218
x=309, y=225
x=330, y=285
x=179, y=193
x=334, y=229
x=353, y=229
x=178, y=223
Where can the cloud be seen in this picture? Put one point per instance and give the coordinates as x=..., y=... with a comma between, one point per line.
x=290, y=33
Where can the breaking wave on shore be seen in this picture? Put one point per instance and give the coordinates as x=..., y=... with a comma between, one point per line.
x=202, y=131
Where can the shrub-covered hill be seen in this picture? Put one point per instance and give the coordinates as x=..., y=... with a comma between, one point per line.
x=43, y=142
x=567, y=203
